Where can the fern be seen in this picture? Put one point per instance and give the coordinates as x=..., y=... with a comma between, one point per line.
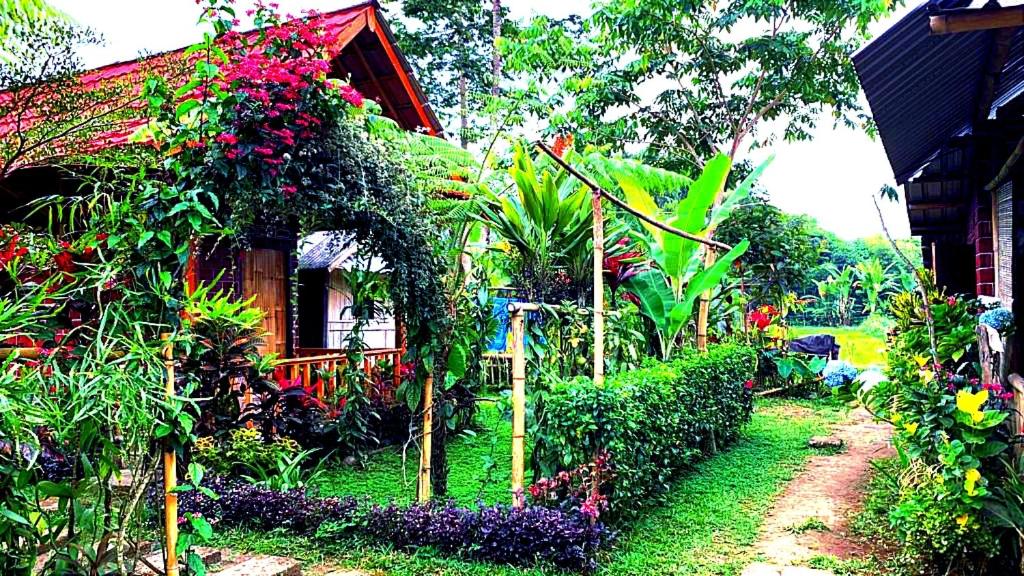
x=438, y=166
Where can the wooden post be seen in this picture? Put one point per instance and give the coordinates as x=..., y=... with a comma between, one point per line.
x=332, y=371
x=598, y=288
x=423, y=490
x=170, y=473
x=518, y=321
x=935, y=265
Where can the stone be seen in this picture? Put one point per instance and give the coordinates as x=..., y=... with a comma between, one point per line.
x=825, y=442
x=350, y=461
x=263, y=566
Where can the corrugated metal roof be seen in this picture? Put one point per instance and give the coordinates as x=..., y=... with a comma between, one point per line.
x=921, y=88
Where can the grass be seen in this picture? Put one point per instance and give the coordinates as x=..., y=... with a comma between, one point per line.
x=705, y=526
x=480, y=466
x=859, y=347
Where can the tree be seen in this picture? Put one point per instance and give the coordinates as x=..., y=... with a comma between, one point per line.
x=450, y=44
x=48, y=112
x=724, y=67
x=875, y=280
x=837, y=292
x=782, y=253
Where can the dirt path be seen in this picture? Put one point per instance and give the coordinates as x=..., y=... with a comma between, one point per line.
x=825, y=494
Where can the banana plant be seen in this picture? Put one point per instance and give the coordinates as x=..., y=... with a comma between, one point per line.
x=875, y=281
x=669, y=289
x=838, y=289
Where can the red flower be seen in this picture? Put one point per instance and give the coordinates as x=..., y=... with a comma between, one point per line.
x=65, y=261
x=351, y=95
x=749, y=384
x=289, y=190
x=951, y=301
x=227, y=138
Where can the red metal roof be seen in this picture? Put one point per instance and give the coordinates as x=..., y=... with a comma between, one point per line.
x=367, y=54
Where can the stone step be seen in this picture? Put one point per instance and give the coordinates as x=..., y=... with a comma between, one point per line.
x=263, y=566
x=210, y=557
x=773, y=570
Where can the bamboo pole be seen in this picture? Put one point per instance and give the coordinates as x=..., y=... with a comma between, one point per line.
x=518, y=321
x=170, y=473
x=598, y=288
x=423, y=490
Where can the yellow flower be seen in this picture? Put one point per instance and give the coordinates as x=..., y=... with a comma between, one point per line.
x=911, y=428
x=963, y=520
x=927, y=376
x=939, y=479
x=971, y=481
x=921, y=360
x=896, y=418
x=970, y=402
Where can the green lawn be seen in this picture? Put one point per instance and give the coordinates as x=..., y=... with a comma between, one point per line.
x=859, y=347
x=705, y=526
x=390, y=476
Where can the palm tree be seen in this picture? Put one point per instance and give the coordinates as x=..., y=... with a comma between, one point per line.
x=875, y=281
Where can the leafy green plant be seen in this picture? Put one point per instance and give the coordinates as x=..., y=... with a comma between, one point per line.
x=669, y=290
x=837, y=291
x=875, y=281
x=287, y=473
x=653, y=421
x=547, y=222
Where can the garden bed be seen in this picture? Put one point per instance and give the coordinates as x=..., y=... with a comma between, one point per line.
x=707, y=522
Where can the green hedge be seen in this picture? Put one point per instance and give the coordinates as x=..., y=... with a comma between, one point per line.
x=653, y=421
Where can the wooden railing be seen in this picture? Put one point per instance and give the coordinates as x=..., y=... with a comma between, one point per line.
x=323, y=367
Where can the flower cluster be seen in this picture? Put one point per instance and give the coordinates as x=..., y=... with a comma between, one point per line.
x=269, y=96
x=763, y=316
x=999, y=318
x=579, y=488
x=839, y=373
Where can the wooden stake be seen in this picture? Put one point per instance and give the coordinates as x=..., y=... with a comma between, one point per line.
x=423, y=490
x=598, y=288
x=935, y=265
x=170, y=473
x=518, y=321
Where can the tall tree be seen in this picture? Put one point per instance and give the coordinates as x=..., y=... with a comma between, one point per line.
x=719, y=69
x=686, y=80
x=450, y=43
x=47, y=112
x=497, y=21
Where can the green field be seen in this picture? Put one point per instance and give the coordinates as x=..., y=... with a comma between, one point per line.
x=859, y=347
x=705, y=526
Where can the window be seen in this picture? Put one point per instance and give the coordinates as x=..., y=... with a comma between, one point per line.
x=1003, y=242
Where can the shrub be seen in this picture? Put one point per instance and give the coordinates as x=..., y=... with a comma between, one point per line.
x=652, y=422
x=839, y=373
x=244, y=451
x=498, y=534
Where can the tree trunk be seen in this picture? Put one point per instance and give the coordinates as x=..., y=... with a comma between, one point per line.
x=496, y=25
x=463, y=112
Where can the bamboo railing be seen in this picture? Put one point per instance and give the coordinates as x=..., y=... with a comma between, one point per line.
x=323, y=367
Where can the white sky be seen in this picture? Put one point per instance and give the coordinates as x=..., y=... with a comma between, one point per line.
x=832, y=178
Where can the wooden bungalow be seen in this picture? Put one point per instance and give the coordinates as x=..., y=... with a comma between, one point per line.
x=268, y=268
x=946, y=89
